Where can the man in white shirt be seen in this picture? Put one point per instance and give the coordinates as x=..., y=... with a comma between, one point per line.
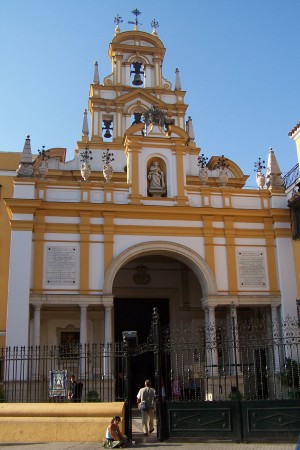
x=145, y=401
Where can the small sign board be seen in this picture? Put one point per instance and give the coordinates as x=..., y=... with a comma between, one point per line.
x=57, y=383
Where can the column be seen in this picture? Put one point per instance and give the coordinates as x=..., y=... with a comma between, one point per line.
x=108, y=324
x=83, y=339
x=236, y=359
x=276, y=338
x=36, y=341
x=212, y=339
x=83, y=324
x=36, y=325
x=108, y=337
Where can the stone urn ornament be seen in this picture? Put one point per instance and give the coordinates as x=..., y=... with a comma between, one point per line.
x=260, y=178
x=222, y=165
x=107, y=158
x=203, y=170
x=85, y=167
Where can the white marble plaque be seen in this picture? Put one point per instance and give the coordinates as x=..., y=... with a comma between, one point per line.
x=251, y=269
x=61, y=265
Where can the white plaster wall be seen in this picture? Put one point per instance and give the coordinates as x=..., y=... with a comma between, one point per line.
x=24, y=190
x=97, y=196
x=221, y=267
x=28, y=217
x=245, y=202
x=248, y=226
x=124, y=242
x=161, y=223
x=63, y=195
x=250, y=242
x=17, y=323
x=195, y=200
x=61, y=237
x=286, y=276
x=279, y=201
x=96, y=267
x=192, y=167
x=59, y=219
x=216, y=201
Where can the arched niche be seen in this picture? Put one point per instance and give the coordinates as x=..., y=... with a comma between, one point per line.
x=156, y=177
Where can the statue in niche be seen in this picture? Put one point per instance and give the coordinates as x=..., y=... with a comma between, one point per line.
x=157, y=180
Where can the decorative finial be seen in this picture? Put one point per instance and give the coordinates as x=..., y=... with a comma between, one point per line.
x=107, y=156
x=85, y=127
x=259, y=165
x=202, y=161
x=260, y=178
x=177, y=81
x=25, y=168
x=85, y=156
x=96, y=73
x=273, y=174
x=222, y=163
x=154, y=25
x=117, y=21
x=43, y=154
x=136, y=23
x=190, y=129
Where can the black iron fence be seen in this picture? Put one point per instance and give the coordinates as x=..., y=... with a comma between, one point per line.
x=43, y=373
x=252, y=359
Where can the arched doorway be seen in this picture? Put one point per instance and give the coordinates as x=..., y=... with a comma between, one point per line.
x=161, y=280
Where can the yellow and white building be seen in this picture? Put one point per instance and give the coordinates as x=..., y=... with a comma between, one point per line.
x=89, y=256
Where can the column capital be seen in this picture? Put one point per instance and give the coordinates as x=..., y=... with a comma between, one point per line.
x=37, y=306
x=83, y=305
x=108, y=301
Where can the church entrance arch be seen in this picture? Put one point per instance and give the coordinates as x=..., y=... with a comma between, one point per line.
x=174, y=250
x=169, y=277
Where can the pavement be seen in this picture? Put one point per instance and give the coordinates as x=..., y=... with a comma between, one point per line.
x=139, y=441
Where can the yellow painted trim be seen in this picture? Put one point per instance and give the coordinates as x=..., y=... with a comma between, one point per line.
x=84, y=251
x=21, y=225
x=208, y=232
x=39, y=245
x=271, y=255
x=109, y=232
x=231, y=258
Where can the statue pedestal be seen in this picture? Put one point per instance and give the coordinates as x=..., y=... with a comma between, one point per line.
x=159, y=192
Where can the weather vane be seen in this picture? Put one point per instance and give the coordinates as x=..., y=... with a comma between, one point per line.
x=118, y=19
x=136, y=12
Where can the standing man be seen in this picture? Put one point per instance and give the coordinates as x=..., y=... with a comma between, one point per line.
x=145, y=402
x=73, y=390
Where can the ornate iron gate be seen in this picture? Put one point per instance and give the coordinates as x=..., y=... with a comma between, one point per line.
x=230, y=381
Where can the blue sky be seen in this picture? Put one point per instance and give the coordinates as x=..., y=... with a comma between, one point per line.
x=238, y=60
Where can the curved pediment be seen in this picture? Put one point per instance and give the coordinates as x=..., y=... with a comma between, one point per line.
x=131, y=38
x=232, y=166
x=173, y=131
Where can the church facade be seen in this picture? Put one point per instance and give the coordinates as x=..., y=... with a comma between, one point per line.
x=140, y=219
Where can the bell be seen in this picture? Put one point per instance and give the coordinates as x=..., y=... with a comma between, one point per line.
x=107, y=134
x=137, y=81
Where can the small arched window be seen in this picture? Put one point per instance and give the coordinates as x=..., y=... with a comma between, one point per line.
x=137, y=73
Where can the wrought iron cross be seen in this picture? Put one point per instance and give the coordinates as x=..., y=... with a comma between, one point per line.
x=136, y=12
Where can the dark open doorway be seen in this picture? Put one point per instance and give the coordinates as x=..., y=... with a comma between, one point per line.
x=136, y=315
